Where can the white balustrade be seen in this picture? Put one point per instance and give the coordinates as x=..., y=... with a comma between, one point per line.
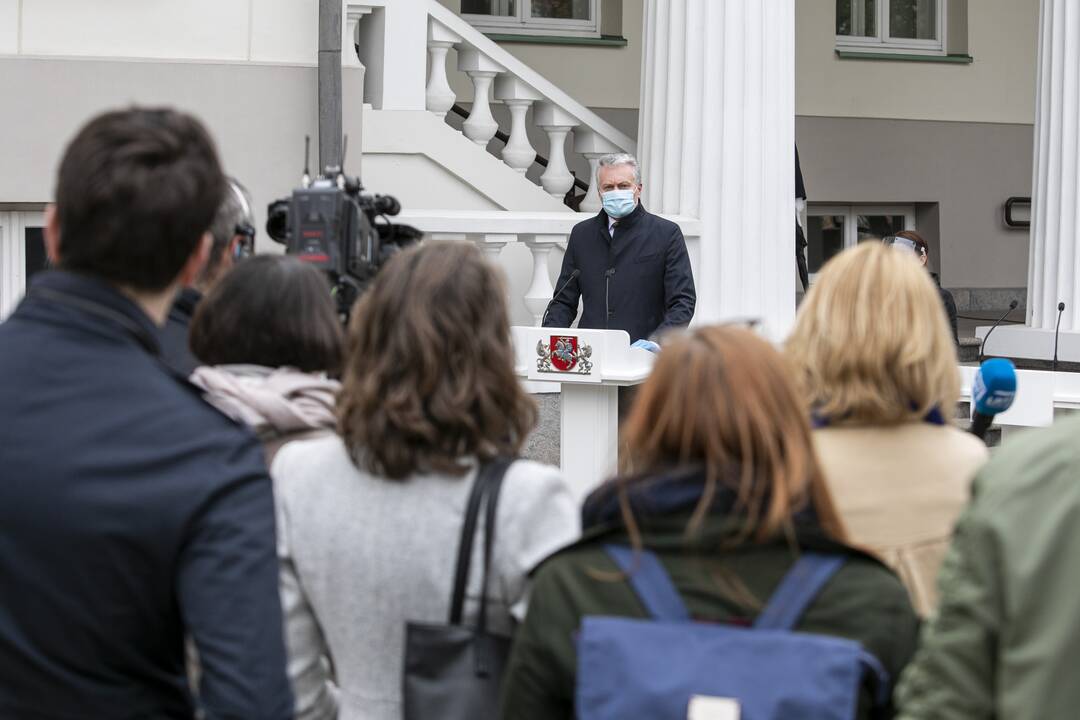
x=492, y=244
x=440, y=96
x=518, y=97
x=480, y=126
x=540, y=289
x=557, y=123
x=590, y=144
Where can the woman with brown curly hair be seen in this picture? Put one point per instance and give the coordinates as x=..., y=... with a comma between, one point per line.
x=721, y=484
x=369, y=521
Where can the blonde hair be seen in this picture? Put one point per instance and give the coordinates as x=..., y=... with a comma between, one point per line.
x=872, y=343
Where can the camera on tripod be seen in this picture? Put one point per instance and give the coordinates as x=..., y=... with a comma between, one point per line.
x=332, y=224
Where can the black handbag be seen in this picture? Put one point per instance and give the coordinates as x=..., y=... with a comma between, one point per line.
x=454, y=672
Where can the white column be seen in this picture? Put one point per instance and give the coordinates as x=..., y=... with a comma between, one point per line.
x=593, y=147
x=557, y=123
x=492, y=245
x=1054, y=258
x=440, y=97
x=717, y=141
x=540, y=289
x=480, y=126
x=517, y=96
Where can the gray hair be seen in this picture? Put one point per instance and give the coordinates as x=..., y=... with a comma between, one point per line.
x=622, y=159
x=235, y=209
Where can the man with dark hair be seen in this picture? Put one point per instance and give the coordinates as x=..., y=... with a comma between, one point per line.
x=133, y=513
x=233, y=231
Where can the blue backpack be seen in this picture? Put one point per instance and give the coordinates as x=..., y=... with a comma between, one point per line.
x=672, y=668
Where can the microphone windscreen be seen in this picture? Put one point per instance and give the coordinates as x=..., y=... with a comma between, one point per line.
x=994, y=387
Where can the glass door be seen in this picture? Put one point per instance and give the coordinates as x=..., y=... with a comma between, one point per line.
x=22, y=254
x=832, y=228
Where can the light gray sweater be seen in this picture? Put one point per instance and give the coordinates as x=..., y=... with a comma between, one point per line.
x=362, y=555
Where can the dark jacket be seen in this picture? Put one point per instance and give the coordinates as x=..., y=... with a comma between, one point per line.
x=864, y=602
x=949, y=304
x=131, y=512
x=650, y=290
x=175, y=349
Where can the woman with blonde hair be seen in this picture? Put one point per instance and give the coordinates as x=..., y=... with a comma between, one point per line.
x=879, y=372
x=720, y=483
x=369, y=520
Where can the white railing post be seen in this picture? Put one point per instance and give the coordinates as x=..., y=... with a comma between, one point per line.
x=517, y=96
x=353, y=13
x=492, y=244
x=593, y=147
x=480, y=126
x=540, y=289
x=440, y=97
x=557, y=123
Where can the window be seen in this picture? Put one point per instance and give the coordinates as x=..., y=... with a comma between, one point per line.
x=538, y=17
x=832, y=228
x=891, y=25
x=22, y=253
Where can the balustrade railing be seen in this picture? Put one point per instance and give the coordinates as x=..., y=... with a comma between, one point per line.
x=497, y=76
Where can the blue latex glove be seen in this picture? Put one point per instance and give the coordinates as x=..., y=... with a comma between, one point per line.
x=647, y=345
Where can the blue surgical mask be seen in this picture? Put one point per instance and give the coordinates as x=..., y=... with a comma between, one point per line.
x=618, y=203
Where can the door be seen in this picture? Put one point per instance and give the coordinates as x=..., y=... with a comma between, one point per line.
x=22, y=254
x=833, y=228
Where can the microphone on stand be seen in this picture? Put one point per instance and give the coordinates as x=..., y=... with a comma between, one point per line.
x=559, y=292
x=992, y=392
x=1057, y=331
x=982, y=346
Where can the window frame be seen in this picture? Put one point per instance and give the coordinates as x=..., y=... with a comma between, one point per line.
x=524, y=24
x=850, y=214
x=883, y=42
x=13, y=226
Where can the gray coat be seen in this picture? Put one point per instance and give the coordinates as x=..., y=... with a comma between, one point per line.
x=361, y=555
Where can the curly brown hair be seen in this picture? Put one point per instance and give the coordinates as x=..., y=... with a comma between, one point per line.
x=429, y=371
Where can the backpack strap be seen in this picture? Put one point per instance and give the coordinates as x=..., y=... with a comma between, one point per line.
x=797, y=590
x=650, y=582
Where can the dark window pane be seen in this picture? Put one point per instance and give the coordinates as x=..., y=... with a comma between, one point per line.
x=913, y=19
x=875, y=227
x=36, y=260
x=824, y=238
x=562, y=9
x=489, y=7
x=856, y=18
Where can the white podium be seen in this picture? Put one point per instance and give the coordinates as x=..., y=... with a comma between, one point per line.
x=590, y=365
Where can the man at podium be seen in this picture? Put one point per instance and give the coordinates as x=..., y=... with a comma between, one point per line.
x=629, y=266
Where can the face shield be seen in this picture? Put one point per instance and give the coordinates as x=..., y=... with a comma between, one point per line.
x=904, y=245
x=245, y=228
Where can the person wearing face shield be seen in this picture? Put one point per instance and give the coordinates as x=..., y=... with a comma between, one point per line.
x=909, y=241
x=628, y=267
x=233, y=230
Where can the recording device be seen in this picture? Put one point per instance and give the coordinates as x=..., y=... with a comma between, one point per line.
x=982, y=346
x=992, y=392
x=1057, y=332
x=554, y=297
x=331, y=223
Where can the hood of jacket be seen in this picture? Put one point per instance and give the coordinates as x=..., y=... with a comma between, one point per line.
x=271, y=401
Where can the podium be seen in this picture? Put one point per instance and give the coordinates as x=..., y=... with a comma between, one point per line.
x=590, y=366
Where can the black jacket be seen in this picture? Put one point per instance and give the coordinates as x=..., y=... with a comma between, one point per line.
x=639, y=280
x=949, y=304
x=175, y=349
x=131, y=512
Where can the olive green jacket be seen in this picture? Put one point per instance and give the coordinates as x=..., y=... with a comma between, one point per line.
x=865, y=601
x=1006, y=640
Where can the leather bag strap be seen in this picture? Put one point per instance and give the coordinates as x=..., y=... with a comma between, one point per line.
x=497, y=471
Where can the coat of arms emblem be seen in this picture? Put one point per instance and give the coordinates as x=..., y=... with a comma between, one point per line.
x=563, y=354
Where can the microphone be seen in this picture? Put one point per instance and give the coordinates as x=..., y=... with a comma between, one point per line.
x=1057, y=331
x=992, y=392
x=982, y=345
x=573, y=274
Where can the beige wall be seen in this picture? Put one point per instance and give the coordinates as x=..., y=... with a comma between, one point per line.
x=999, y=87
x=595, y=76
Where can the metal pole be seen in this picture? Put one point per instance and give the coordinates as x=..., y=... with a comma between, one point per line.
x=330, y=122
